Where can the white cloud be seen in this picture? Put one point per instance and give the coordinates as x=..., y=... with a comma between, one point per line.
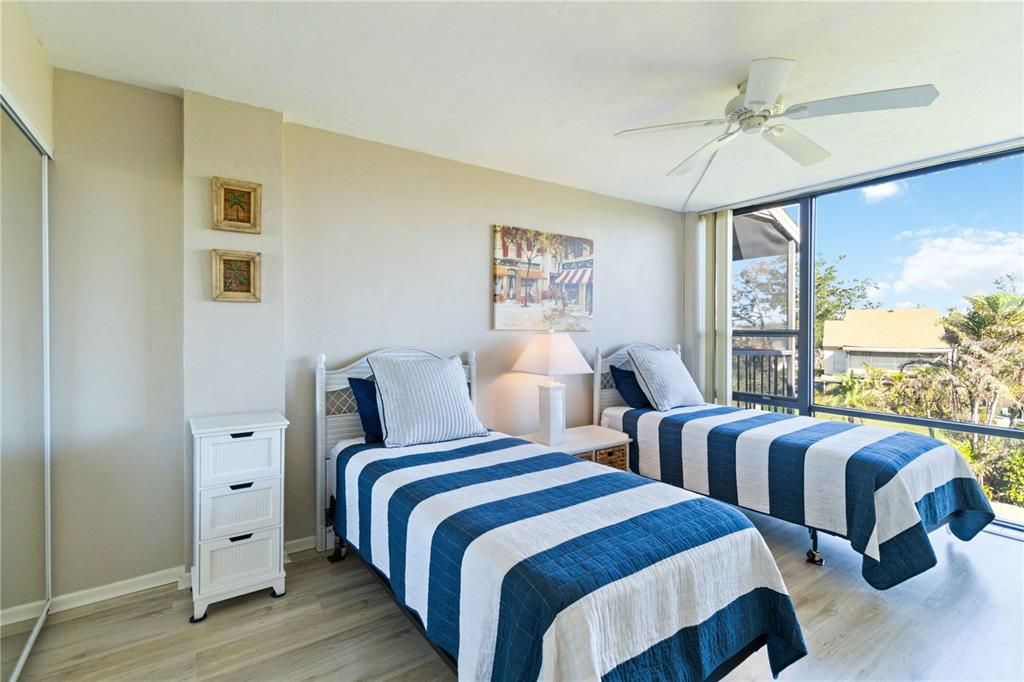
x=964, y=263
x=886, y=190
x=918, y=234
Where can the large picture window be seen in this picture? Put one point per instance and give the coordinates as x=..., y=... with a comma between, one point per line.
x=917, y=318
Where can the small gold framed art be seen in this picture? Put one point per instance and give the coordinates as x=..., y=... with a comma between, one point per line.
x=237, y=205
x=236, y=275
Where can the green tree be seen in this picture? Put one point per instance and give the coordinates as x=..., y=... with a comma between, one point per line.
x=980, y=378
x=759, y=293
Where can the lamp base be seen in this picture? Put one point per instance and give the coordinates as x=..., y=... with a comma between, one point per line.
x=552, y=413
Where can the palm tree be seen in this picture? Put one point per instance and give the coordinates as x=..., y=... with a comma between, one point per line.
x=984, y=370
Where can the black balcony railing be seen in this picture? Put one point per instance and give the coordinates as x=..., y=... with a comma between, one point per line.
x=764, y=371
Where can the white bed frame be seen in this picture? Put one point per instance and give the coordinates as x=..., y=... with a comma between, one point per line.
x=337, y=419
x=605, y=393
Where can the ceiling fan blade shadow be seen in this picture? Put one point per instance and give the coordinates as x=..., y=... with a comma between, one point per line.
x=671, y=126
x=879, y=100
x=798, y=147
x=710, y=148
x=766, y=80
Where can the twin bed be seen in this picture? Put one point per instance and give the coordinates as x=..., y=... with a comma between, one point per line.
x=882, y=489
x=521, y=562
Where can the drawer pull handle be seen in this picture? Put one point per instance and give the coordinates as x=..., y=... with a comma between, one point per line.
x=239, y=486
x=240, y=537
x=243, y=434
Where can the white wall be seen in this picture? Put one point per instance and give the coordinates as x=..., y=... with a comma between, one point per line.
x=391, y=247
x=116, y=330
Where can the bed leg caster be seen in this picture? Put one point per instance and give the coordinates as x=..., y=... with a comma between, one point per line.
x=198, y=614
x=275, y=594
x=813, y=555
x=340, y=551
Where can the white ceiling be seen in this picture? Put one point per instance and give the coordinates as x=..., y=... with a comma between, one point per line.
x=538, y=89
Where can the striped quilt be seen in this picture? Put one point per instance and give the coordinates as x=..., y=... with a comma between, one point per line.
x=526, y=564
x=882, y=489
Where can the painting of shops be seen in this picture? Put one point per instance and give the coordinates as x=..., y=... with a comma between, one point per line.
x=542, y=280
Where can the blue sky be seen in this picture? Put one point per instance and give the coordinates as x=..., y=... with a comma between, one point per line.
x=931, y=239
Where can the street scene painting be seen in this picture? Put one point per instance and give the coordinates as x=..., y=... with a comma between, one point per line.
x=542, y=280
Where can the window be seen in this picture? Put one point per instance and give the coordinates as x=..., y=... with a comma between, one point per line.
x=918, y=312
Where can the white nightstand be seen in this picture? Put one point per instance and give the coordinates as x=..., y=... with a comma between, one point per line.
x=594, y=443
x=238, y=491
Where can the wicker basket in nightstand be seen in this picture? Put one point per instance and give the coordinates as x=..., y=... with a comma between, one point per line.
x=616, y=457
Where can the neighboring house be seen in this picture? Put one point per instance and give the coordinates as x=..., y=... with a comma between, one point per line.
x=885, y=339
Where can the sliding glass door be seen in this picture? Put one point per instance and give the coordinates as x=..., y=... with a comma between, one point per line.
x=765, y=307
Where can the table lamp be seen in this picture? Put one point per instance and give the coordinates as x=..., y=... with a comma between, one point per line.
x=552, y=354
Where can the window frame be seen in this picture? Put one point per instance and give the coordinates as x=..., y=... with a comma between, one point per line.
x=804, y=400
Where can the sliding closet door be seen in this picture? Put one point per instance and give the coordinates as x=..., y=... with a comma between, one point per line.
x=23, y=571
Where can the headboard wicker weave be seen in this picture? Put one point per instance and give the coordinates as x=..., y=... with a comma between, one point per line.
x=337, y=418
x=605, y=393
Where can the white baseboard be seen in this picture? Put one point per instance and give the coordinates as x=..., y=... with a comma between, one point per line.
x=300, y=544
x=119, y=589
x=16, y=614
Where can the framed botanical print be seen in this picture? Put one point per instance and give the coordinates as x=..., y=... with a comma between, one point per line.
x=237, y=205
x=236, y=275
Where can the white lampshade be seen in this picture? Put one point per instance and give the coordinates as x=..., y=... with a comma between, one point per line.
x=552, y=354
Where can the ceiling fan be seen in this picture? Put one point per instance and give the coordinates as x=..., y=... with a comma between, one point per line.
x=760, y=102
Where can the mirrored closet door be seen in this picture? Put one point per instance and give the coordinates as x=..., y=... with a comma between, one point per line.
x=24, y=457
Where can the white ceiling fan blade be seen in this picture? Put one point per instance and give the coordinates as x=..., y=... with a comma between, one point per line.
x=897, y=98
x=671, y=126
x=764, y=84
x=801, y=149
x=708, y=149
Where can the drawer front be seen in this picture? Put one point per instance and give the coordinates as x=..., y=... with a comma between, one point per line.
x=616, y=457
x=239, y=457
x=250, y=556
x=234, y=509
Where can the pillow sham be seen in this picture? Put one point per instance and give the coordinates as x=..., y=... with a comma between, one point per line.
x=664, y=379
x=365, y=393
x=628, y=387
x=423, y=400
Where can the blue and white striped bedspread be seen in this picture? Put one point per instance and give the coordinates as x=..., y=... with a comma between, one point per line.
x=883, y=489
x=525, y=563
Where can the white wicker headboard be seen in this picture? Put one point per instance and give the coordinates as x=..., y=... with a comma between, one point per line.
x=605, y=393
x=337, y=419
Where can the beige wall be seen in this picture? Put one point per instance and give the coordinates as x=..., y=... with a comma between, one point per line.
x=390, y=247
x=233, y=352
x=25, y=72
x=385, y=246
x=22, y=526
x=116, y=330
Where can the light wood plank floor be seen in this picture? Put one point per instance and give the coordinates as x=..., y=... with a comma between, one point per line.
x=962, y=620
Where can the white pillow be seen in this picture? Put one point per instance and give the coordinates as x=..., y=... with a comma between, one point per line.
x=664, y=379
x=423, y=400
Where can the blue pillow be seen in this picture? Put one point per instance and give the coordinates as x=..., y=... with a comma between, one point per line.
x=365, y=393
x=629, y=387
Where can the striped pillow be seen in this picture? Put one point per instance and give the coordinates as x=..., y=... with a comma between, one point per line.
x=423, y=400
x=664, y=379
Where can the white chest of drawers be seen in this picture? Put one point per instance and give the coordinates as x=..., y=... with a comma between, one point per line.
x=238, y=492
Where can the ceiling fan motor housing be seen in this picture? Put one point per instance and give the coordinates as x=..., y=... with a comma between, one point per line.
x=751, y=121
